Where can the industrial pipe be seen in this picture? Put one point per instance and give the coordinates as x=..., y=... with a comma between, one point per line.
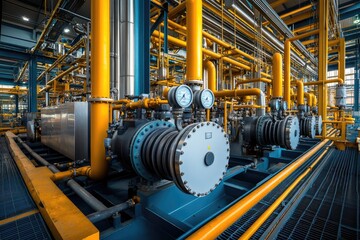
x=100, y=86
x=210, y=67
x=194, y=55
x=221, y=222
x=300, y=92
x=335, y=80
x=255, y=80
x=260, y=97
x=257, y=224
x=212, y=54
x=108, y=212
x=277, y=76
x=309, y=98
x=287, y=59
x=80, y=191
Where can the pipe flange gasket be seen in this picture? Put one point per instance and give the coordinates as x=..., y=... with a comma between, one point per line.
x=136, y=146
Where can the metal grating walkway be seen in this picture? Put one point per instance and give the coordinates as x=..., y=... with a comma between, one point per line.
x=15, y=200
x=330, y=209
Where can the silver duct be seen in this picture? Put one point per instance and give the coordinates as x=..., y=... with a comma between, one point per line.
x=126, y=49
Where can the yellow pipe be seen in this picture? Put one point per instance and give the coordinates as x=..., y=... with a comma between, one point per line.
x=287, y=59
x=100, y=85
x=323, y=57
x=291, y=13
x=287, y=56
x=335, y=80
x=210, y=67
x=246, y=106
x=264, y=80
x=277, y=76
x=221, y=222
x=300, y=92
x=194, y=55
x=342, y=61
x=298, y=18
x=82, y=171
x=309, y=99
x=238, y=92
x=214, y=39
x=212, y=54
x=257, y=224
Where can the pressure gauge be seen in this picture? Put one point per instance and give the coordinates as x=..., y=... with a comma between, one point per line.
x=180, y=97
x=204, y=98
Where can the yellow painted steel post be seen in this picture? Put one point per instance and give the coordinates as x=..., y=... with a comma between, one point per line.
x=287, y=52
x=342, y=59
x=323, y=58
x=194, y=57
x=210, y=67
x=100, y=85
x=300, y=92
x=277, y=76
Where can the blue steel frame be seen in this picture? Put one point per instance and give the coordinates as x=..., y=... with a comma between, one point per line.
x=142, y=46
x=356, y=81
x=32, y=83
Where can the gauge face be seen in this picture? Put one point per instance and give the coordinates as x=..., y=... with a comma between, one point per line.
x=207, y=98
x=183, y=96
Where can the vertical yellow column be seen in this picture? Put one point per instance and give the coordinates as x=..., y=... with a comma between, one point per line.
x=210, y=67
x=323, y=58
x=100, y=85
x=342, y=59
x=194, y=56
x=287, y=51
x=277, y=76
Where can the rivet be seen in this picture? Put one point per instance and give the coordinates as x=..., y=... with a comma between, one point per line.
x=216, y=185
x=224, y=173
x=182, y=174
x=180, y=162
x=222, y=130
x=197, y=126
x=227, y=142
x=227, y=158
x=227, y=149
x=227, y=165
x=194, y=130
x=198, y=194
x=202, y=124
x=185, y=182
x=213, y=124
x=151, y=126
x=208, y=123
x=182, y=152
x=220, y=179
x=218, y=126
x=185, y=143
x=225, y=135
x=189, y=136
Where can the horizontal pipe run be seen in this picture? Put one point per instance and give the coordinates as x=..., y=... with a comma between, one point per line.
x=108, y=212
x=221, y=222
x=255, y=80
x=212, y=54
x=337, y=80
x=80, y=191
x=257, y=224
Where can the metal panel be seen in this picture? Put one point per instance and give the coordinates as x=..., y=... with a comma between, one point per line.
x=65, y=128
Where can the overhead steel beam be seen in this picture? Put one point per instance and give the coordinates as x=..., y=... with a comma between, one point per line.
x=268, y=12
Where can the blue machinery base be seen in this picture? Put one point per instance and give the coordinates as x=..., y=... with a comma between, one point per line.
x=167, y=213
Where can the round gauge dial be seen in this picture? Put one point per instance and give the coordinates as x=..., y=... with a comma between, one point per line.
x=207, y=99
x=183, y=96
